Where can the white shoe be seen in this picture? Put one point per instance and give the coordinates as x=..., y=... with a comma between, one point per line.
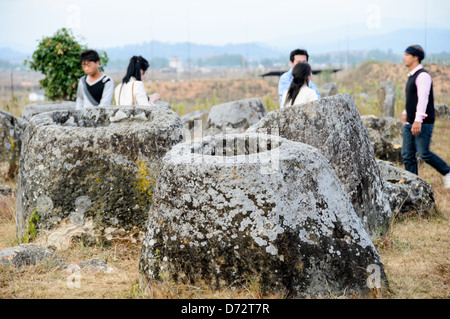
x=447, y=180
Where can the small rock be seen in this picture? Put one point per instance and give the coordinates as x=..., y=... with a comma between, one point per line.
x=5, y=190
x=408, y=193
x=34, y=254
x=236, y=115
x=442, y=111
x=96, y=264
x=386, y=137
x=30, y=254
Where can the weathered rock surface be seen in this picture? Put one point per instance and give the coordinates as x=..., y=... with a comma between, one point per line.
x=386, y=137
x=96, y=265
x=236, y=115
x=11, y=132
x=30, y=110
x=329, y=89
x=408, y=193
x=67, y=233
x=33, y=254
x=97, y=164
x=333, y=125
x=229, y=207
x=386, y=98
x=442, y=111
x=5, y=190
x=163, y=104
x=30, y=254
x=195, y=123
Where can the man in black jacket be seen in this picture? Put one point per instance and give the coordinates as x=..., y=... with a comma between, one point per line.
x=418, y=117
x=95, y=88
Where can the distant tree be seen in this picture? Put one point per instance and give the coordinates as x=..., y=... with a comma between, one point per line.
x=58, y=58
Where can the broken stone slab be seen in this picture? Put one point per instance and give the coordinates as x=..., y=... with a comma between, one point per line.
x=408, y=193
x=96, y=164
x=66, y=234
x=11, y=133
x=30, y=254
x=386, y=98
x=194, y=123
x=386, y=137
x=333, y=125
x=189, y=119
x=5, y=190
x=236, y=115
x=33, y=109
x=442, y=111
x=34, y=254
x=96, y=265
x=230, y=207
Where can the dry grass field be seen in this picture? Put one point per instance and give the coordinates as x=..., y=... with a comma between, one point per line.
x=415, y=252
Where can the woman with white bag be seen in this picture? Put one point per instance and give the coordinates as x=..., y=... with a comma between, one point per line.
x=132, y=91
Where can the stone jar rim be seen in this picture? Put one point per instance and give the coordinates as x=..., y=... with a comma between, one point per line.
x=97, y=117
x=228, y=149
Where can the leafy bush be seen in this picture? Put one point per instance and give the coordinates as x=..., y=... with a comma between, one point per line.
x=58, y=58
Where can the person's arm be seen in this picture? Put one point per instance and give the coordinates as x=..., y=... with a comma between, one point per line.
x=155, y=97
x=423, y=83
x=108, y=91
x=140, y=96
x=314, y=96
x=80, y=97
x=314, y=87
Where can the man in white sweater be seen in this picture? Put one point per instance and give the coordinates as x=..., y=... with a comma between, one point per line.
x=95, y=88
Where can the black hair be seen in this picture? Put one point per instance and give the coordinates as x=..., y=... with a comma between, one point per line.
x=137, y=63
x=298, y=52
x=89, y=55
x=417, y=51
x=301, y=73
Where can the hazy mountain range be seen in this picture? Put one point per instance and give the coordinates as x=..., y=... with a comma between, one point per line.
x=318, y=42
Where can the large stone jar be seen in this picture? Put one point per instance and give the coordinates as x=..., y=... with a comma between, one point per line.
x=97, y=164
x=333, y=125
x=232, y=207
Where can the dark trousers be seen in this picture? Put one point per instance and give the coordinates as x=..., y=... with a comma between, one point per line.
x=420, y=144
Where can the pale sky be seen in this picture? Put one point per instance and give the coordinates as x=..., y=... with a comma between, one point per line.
x=110, y=23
